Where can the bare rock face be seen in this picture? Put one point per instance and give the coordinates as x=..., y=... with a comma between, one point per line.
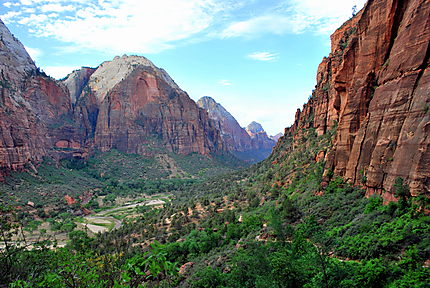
x=234, y=136
x=259, y=137
x=131, y=105
x=76, y=82
x=126, y=104
x=29, y=102
x=248, y=146
x=375, y=87
x=276, y=137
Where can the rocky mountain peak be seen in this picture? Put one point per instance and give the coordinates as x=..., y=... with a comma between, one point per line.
x=76, y=81
x=15, y=63
x=110, y=73
x=215, y=109
x=252, y=148
x=276, y=137
x=254, y=128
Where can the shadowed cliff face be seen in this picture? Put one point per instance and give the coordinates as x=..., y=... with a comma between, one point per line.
x=375, y=86
x=131, y=105
x=29, y=103
x=246, y=144
x=127, y=104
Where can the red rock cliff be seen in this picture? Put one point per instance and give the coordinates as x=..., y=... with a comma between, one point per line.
x=375, y=86
x=29, y=102
x=131, y=105
x=126, y=104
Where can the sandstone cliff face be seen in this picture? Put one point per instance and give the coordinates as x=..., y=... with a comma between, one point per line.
x=127, y=104
x=259, y=137
x=375, y=87
x=246, y=145
x=234, y=136
x=131, y=105
x=29, y=103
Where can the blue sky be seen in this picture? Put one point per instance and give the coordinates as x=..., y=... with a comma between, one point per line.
x=258, y=58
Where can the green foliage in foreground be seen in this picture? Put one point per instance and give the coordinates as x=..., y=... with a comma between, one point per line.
x=293, y=241
x=251, y=230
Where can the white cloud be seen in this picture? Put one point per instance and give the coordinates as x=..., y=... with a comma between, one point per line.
x=56, y=8
x=324, y=16
x=34, y=19
x=34, y=53
x=274, y=24
x=9, y=16
x=27, y=2
x=28, y=10
x=225, y=82
x=263, y=56
x=121, y=26
x=145, y=26
x=295, y=16
x=59, y=72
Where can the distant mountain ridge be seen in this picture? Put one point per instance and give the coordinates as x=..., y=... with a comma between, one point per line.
x=251, y=144
x=126, y=104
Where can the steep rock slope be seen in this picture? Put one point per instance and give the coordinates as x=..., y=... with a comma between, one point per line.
x=126, y=104
x=249, y=146
x=131, y=105
x=259, y=137
x=375, y=87
x=276, y=137
x=234, y=136
x=30, y=102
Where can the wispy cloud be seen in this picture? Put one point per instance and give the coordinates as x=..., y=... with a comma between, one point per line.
x=120, y=26
x=295, y=16
x=8, y=4
x=56, y=8
x=225, y=82
x=272, y=24
x=263, y=56
x=137, y=26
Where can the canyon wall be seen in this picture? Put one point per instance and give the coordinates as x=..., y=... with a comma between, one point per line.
x=251, y=144
x=375, y=88
x=126, y=104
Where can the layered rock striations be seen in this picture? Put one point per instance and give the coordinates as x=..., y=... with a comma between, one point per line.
x=375, y=88
x=127, y=104
x=131, y=105
x=29, y=103
x=246, y=145
x=233, y=135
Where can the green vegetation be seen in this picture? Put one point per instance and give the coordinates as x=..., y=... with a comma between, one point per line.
x=285, y=222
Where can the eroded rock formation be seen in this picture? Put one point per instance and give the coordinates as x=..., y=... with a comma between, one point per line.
x=251, y=144
x=133, y=106
x=375, y=87
x=29, y=104
x=127, y=104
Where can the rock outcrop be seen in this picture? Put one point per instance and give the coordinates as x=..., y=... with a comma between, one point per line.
x=127, y=104
x=244, y=144
x=259, y=137
x=375, y=88
x=276, y=137
x=131, y=105
x=29, y=103
x=233, y=135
